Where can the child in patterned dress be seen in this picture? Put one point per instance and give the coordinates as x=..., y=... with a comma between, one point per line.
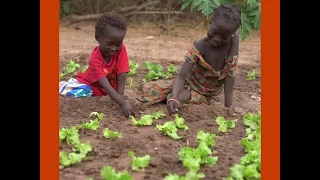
x=209, y=68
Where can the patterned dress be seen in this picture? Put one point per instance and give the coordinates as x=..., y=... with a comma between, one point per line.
x=203, y=82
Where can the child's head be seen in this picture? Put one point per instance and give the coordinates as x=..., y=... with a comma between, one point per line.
x=109, y=32
x=224, y=23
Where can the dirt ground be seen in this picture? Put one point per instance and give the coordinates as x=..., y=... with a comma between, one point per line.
x=77, y=42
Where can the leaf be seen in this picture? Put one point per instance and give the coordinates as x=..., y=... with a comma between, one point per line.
x=61, y=74
x=76, y=158
x=172, y=69
x=251, y=2
x=228, y=178
x=66, y=7
x=251, y=172
x=148, y=65
x=138, y=163
x=107, y=133
x=84, y=68
x=252, y=157
x=212, y=160
x=195, y=3
x=64, y=160
x=100, y=116
x=84, y=148
x=71, y=158
x=71, y=135
x=203, y=151
x=243, y=33
x=252, y=120
x=173, y=177
x=108, y=173
x=145, y=120
x=218, y=2
x=224, y=125
x=252, y=75
x=250, y=145
x=180, y=122
x=186, y=3
x=169, y=128
x=133, y=67
x=92, y=125
x=237, y=171
x=158, y=114
x=207, y=138
x=207, y=7
x=193, y=175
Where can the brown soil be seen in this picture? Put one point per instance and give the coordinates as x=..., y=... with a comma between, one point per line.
x=77, y=43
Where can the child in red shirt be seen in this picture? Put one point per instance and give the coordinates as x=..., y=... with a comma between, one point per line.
x=109, y=63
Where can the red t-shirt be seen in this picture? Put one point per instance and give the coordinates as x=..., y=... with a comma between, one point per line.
x=98, y=68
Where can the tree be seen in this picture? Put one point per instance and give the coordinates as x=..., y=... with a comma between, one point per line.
x=250, y=12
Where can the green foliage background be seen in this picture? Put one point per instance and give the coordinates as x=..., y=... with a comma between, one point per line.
x=250, y=12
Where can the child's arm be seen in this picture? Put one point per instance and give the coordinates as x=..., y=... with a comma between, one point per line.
x=105, y=84
x=229, y=80
x=180, y=78
x=126, y=107
x=228, y=91
x=121, y=78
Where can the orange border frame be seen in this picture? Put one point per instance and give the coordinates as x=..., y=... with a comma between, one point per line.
x=49, y=98
x=270, y=93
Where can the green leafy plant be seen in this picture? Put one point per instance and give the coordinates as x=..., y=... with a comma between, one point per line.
x=100, y=116
x=170, y=128
x=224, y=124
x=193, y=158
x=70, y=135
x=79, y=153
x=108, y=173
x=92, y=125
x=170, y=71
x=68, y=159
x=190, y=175
x=179, y=121
x=155, y=71
x=84, y=68
x=252, y=75
x=133, y=68
x=207, y=138
x=250, y=164
x=138, y=163
x=70, y=68
x=132, y=83
x=107, y=133
x=250, y=12
x=158, y=114
x=83, y=148
x=147, y=119
x=65, y=8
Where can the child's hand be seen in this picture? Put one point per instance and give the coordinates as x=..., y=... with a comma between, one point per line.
x=172, y=106
x=127, y=109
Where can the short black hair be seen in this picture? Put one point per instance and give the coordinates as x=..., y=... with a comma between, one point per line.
x=229, y=13
x=112, y=19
